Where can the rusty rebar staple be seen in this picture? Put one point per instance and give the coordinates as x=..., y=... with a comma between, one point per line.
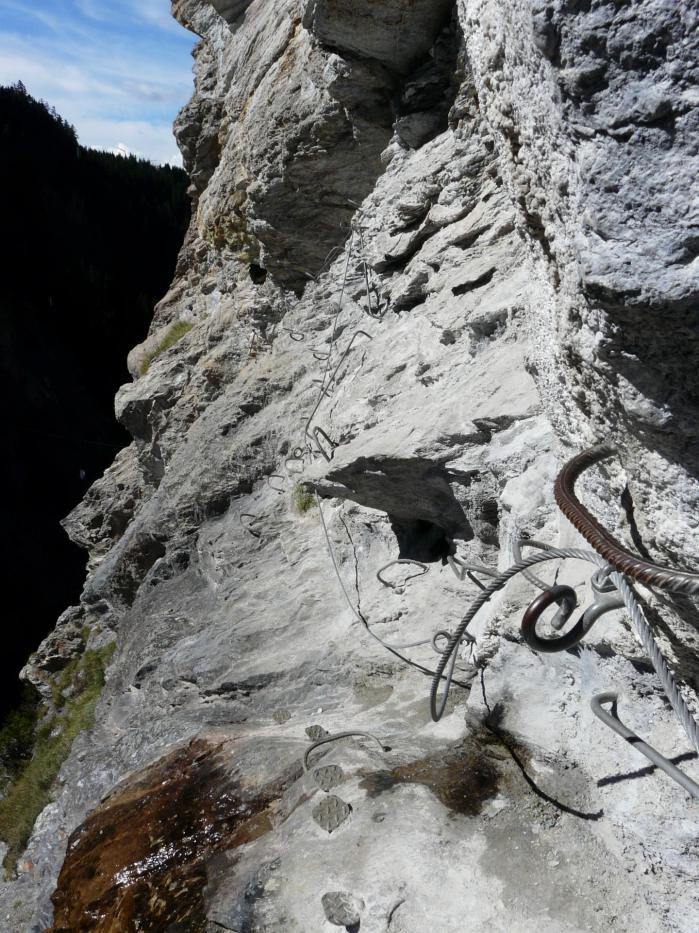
x=564, y=596
x=612, y=720
x=614, y=553
x=448, y=657
x=401, y=560
x=320, y=355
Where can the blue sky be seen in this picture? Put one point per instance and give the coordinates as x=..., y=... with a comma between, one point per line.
x=118, y=70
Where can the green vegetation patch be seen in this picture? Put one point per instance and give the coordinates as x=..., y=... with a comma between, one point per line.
x=42, y=745
x=173, y=336
x=302, y=498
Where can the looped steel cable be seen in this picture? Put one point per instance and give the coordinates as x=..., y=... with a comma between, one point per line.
x=641, y=626
x=340, y=735
x=612, y=720
x=665, y=578
x=566, y=608
x=448, y=657
x=329, y=382
x=401, y=560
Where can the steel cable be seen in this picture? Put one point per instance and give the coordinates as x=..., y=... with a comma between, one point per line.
x=641, y=626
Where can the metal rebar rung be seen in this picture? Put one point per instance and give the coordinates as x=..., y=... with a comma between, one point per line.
x=612, y=720
x=319, y=431
x=275, y=476
x=325, y=740
x=247, y=527
x=401, y=560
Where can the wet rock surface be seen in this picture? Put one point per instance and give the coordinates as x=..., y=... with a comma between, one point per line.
x=441, y=277
x=141, y=855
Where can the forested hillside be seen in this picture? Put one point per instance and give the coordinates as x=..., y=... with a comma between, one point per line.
x=88, y=244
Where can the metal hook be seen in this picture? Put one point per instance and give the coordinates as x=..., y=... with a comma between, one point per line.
x=401, y=560
x=296, y=335
x=612, y=720
x=320, y=355
x=333, y=445
x=565, y=597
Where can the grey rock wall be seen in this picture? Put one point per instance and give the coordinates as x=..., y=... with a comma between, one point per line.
x=513, y=182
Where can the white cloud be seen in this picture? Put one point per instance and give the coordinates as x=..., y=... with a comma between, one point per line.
x=108, y=69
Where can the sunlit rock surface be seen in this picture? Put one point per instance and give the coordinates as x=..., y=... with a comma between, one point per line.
x=483, y=214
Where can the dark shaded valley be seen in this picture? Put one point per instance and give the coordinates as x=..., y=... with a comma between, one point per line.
x=88, y=244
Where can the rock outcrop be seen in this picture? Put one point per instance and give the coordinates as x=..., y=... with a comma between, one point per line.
x=436, y=249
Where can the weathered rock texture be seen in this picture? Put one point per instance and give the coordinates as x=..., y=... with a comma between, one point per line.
x=518, y=178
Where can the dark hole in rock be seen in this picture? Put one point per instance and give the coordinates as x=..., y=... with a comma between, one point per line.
x=257, y=274
x=422, y=540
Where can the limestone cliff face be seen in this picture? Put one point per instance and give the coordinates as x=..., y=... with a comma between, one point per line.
x=478, y=218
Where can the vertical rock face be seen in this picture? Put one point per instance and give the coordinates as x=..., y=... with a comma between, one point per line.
x=472, y=224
